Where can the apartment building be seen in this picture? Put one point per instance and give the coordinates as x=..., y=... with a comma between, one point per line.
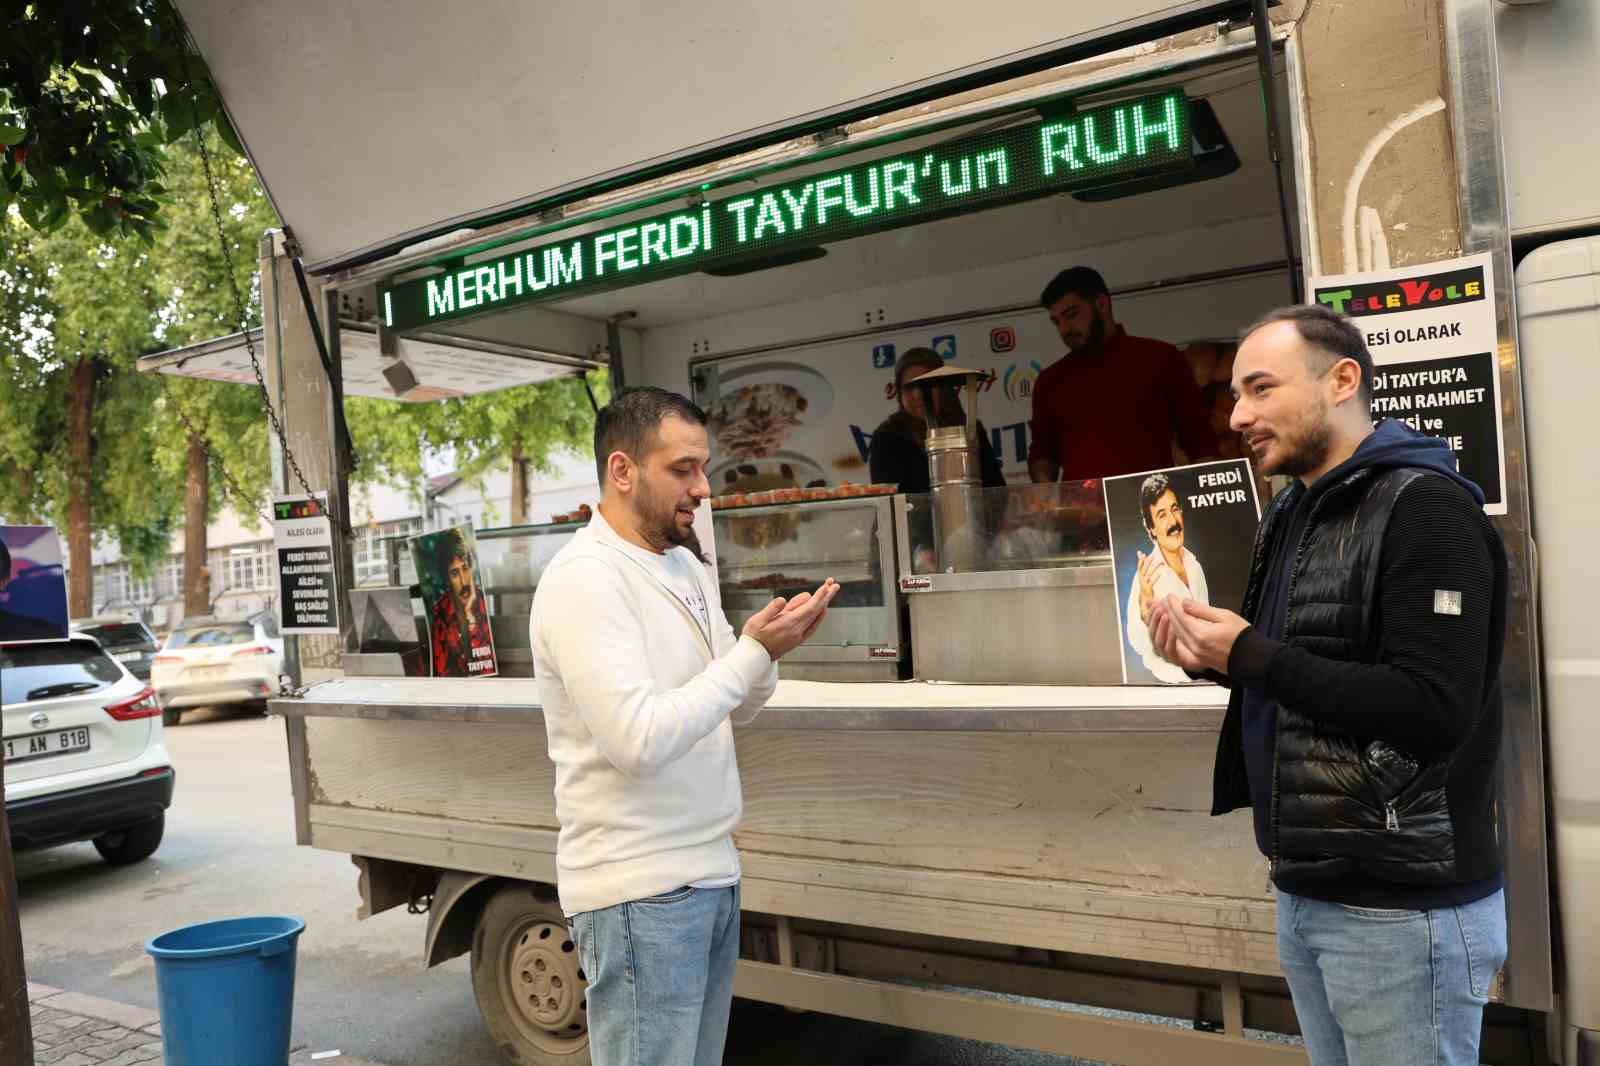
x=241, y=561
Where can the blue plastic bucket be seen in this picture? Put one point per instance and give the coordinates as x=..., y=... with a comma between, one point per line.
x=227, y=991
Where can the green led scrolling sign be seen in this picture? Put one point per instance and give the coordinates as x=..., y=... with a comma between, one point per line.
x=1100, y=146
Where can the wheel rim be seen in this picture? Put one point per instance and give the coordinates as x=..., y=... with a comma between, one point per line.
x=544, y=987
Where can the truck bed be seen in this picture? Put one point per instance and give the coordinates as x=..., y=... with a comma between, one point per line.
x=1066, y=819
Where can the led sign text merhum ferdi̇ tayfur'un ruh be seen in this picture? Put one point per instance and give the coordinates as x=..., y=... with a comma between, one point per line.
x=1099, y=146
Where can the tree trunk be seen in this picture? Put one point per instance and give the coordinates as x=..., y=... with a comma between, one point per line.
x=519, y=487
x=80, y=484
x=197, y=490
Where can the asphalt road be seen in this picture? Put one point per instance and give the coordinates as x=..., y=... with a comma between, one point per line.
x=361, y=988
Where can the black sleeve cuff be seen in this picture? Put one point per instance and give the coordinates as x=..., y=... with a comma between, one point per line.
x=1251, y=656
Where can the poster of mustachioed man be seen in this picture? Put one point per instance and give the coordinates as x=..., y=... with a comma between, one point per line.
x=460, y=641
x=1185, y=532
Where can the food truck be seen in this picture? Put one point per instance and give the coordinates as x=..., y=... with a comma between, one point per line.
x=956, y=791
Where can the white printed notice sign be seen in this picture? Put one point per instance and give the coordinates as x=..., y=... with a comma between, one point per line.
x=1431, y=331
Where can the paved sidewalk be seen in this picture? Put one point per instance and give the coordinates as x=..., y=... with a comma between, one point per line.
x=70, y=1029
x=76, y=1030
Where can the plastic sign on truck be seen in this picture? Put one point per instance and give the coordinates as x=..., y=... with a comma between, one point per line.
x=308, y=592
x=1431, y=330
x=1135, y=138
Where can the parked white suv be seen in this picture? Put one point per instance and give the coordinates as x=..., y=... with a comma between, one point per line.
x=206, y=661
x=85, y=757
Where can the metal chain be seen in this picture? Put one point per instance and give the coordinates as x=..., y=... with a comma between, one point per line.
x=233, y=287
x=227, y=478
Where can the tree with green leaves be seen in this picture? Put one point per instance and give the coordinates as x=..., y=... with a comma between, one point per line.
x=104, y=449
x=80, y=310
x=102, y=106
x=524, y=427
x=202, y=426
x=89, y=92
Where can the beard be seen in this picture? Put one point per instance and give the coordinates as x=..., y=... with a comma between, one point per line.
x=1094, y=342
x=658, y=521
x=1307, y=449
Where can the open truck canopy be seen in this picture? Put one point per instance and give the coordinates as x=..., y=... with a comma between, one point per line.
x=381, y=123
x=381, y=130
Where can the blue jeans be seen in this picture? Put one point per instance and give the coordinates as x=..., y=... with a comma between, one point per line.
x=1391, y=987
x=660, y=976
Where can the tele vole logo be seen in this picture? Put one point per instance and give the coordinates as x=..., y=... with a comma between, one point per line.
x=1407, y=294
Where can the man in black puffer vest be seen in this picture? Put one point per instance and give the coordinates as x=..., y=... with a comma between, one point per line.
x=1365, y=718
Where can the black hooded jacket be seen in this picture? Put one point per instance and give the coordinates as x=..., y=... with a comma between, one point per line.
x=1365, y=717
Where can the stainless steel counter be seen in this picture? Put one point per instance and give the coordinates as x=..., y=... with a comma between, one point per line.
x=869, y=706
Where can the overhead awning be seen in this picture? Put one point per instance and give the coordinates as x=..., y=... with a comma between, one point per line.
x=443, y=366
x=375, y=124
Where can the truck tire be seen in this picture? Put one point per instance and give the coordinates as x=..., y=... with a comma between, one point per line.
x=132, y=844
x=528, y=982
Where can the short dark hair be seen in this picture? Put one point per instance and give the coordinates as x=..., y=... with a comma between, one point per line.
x=1331, y=336
x=630, y=422
x=1081, y=281
x=1152, y=489
x=926, y=358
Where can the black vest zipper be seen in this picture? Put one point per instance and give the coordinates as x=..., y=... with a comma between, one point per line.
x=1288, y=617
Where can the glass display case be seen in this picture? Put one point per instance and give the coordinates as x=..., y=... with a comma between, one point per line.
x=761, y=552
x=1014, y=527
x=510, y=562
x=787, y=548
x=1013, y=585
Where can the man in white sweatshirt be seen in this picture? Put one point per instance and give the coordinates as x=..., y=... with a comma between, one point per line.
x=639, y=674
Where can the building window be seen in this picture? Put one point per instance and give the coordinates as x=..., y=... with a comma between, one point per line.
x=371, y=558
x=169, y=578
x=245, y=570
x=117, y=583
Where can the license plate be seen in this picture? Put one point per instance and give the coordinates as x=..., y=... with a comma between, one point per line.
x=61, y=742
x=130, y=656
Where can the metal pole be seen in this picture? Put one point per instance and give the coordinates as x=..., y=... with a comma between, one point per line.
x=272, y=349
x=614, y=347
x=1269, y=99
x=16, y=1025
x=341, y=462
x=1473, y=92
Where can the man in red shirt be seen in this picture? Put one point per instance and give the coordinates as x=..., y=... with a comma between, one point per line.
x=1113, y=404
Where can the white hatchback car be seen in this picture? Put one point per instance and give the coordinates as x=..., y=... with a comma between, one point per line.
x=85, y=757
x=206, y=661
